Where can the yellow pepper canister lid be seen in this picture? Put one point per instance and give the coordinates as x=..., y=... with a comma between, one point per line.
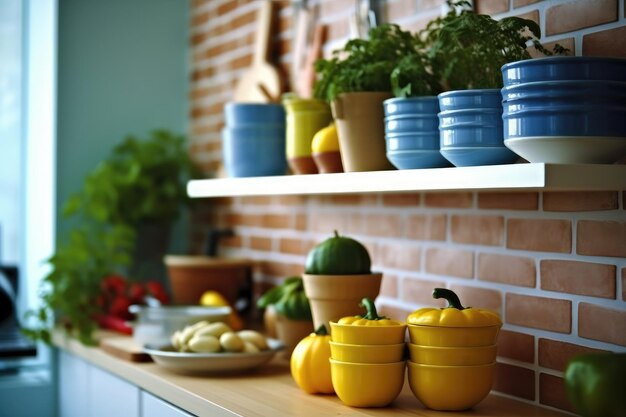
x=454, y=315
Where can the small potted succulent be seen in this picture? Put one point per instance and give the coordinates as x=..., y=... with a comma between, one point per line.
x=291, y=307
x=356, y=80
x=337, y=276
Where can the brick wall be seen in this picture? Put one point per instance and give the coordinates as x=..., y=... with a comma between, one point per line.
x=553, y=264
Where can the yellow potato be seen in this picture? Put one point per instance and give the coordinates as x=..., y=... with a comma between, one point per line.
x=213, y=329
x=253, y=337
x=231, y=342
x=249, y=347
x=204, y=344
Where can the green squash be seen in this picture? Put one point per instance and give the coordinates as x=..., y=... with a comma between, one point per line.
x=338, y=255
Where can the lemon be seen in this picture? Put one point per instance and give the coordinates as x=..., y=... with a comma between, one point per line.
x=325, y=140
x=213, y=299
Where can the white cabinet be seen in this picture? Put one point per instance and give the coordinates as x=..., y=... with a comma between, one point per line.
x=152, y=406
x=86, y=390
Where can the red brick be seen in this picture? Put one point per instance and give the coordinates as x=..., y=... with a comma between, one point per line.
x=579, y=14
x=383, y=225
x=567, y=43
x=508, y=201
x=554, y=354
x=427, y=227
x=236, y=219
x=601, y=238
x=491, y=6
x=573, y=277
x=580, y=201
x=295, y=246
x=545, y=235
x=552, y=392
x=602, y=323
x=479, y=297
x=452, y=200
x=402, y=200
x=611, y=42
x=301, y=222
x=256, y=200
x=398, y=9
x=400, y=256
x=514, y=380
x=260, y=243
x=539, y=312
x=479, y=230
x=325, y=222
x=277, y=221
x=419, y=291
x=507, y=269
x=280, y=269
x=453, y=262
x=517, y=346
x=290, y=200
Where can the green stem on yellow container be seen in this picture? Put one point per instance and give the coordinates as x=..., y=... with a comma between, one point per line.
x=450, y=297
x=371, y=314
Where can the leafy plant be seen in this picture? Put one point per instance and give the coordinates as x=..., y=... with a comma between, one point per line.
x=466, y=50
x=363, y=64
x=141, y=182
x=288, y=299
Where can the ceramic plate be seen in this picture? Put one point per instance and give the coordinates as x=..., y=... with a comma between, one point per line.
x=199, y=363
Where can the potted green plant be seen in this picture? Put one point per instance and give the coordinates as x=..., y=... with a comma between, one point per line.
x=356, y=80
x=467, y=51
x=137, y=190
x=291, y=307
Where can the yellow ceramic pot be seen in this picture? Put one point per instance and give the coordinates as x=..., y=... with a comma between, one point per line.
x=367, y=384
x=450, y=387
x=367, y=353
x=452, y=356
x=453, y=336
x=368, y=335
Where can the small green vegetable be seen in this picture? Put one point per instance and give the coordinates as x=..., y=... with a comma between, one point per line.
x=596, y=384
x=338, y=255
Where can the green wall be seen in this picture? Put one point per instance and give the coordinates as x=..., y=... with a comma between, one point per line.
x=122, y=69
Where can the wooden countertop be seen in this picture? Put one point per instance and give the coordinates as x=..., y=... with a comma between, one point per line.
x=268, y=391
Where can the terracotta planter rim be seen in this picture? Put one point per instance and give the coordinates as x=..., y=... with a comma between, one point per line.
x=204, y=261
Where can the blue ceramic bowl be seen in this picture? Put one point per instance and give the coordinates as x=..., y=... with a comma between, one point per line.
x=470, y=99
x=412, y=123
x=241, y=114
x=414, y=159
x=565, y=108
x=254, y=155
x=475, y=155
x=412, y=141
x=411, y=105
x=564, y=68
x=480, y=127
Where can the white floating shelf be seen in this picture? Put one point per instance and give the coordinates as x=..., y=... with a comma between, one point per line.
x=515, y=177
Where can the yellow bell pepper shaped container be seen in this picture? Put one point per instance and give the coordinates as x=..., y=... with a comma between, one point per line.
x=453, y=325
x=310, y=363
x=368, y=329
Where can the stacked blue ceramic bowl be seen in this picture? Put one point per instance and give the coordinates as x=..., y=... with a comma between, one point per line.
x=566, y=109
x=470, y=123
x=254, y=139
x=412, y=133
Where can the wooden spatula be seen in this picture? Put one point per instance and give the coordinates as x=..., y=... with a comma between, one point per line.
x=261, y=83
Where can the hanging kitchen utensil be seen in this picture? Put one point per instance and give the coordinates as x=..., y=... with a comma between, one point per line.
x=299, y=44
x=261, y=83
x=307, y=78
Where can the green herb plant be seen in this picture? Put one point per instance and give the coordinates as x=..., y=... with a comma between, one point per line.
x=466, y=50
x=363, y=64
x=143, y=181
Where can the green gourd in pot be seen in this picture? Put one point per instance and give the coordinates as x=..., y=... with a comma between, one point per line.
x=338, y=255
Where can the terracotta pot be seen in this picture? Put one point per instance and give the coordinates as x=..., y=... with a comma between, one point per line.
x=361, y=129
x=335, y=296
x=191, y=276
x=290, y=332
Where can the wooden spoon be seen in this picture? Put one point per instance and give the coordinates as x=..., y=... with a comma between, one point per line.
x=261, y=83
